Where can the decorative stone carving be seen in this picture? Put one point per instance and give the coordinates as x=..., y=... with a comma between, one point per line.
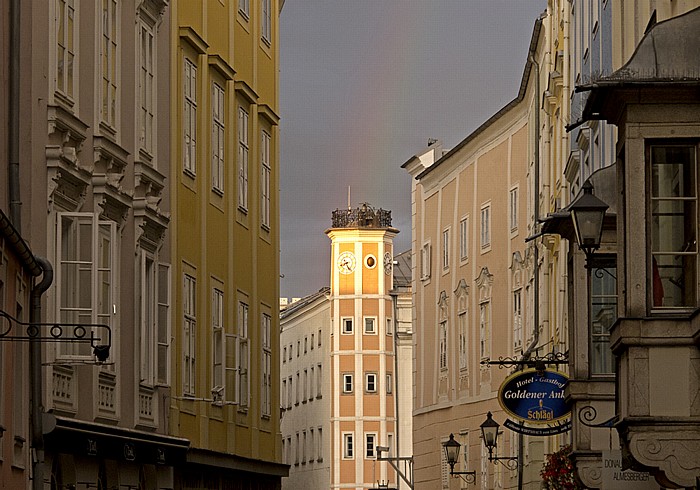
x=676, y=453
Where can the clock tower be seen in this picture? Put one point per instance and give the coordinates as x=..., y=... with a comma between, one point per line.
x=362, y=357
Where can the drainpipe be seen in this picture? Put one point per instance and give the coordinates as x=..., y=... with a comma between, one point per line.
x=13, y=129
x=35, y=379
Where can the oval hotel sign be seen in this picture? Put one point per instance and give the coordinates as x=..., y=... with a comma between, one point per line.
x=534, y=397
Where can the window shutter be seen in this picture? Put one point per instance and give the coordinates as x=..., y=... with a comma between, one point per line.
x=231, y=388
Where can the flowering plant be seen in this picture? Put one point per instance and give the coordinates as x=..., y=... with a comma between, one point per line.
x=558, y=471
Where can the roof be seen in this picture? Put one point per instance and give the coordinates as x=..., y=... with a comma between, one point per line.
x=305, y=301
x=402, y=269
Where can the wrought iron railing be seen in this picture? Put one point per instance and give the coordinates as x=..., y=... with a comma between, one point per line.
x=364, y=216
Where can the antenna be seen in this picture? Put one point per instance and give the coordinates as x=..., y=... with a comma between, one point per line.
x=348, y=197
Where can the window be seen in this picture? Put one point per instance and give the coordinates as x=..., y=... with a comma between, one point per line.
x=217, y=327
x=284, y=356
x=514, y=209
x=425, y=261
x=267, y=365
x=65, y=46
x=484, y=319
x=370, y=382
x=304, y=396
x=517, y=319
x=319, y=456
x=296, y=451
x=347, y=383
x=319, y=337
x=390, y=445
x=306, y=344
x=311, y=384
x=189, y=297
x=244, y=8
x=218, y=138
x=289, y=394
x=443, y=345
x=485, y=226
x=163, y=328
x=243, y=159
x=319, y=381
x=242, y=355
x=296, y=397
x=389, y=326
x=310, y=453
x=283, y=394
x=464, y=239
x=370, y=323
x=312, y=341
x=298, y=348
x=303, y=447
x=265, y=179
x=370, y=445
x=674, y=207
x=189, y=122
x=463, y=339
x=348, y=446
x=347, y=325
x=290, y=351
x=389, y=384
x=446, y=249
x=108, y=62
x=85, y=279
x=146, y=87
x=147, y=319
x=266, y=20
x=603, y=313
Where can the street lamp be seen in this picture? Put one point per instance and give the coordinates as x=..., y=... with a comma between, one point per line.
x=489, y=433
x=587, y=214
x=452, y=448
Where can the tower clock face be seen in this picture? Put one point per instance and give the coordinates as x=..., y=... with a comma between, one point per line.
x=346, y=262
x=388, y=263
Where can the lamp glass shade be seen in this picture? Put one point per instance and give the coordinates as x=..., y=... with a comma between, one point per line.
x=452, y=448
x=588, y=225
x=489, y=431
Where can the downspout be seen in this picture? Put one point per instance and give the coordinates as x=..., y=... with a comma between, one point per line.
x=536, y=257
x=35, y=378
x=13, y=119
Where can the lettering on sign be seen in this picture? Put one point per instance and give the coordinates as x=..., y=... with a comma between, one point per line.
x=535, y=397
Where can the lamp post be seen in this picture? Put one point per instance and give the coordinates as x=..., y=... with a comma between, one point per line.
x=489, y=433
x=452, y=448
x=587, y=214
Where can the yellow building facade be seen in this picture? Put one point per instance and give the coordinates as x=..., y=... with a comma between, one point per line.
x=225, y=241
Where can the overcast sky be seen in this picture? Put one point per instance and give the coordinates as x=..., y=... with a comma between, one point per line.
x=364, y=84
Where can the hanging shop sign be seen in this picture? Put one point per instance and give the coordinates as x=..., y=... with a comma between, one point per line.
x=535, y=397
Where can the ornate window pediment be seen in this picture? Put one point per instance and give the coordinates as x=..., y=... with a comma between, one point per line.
x=443, y=306
x=484, y=282
x=462, y=294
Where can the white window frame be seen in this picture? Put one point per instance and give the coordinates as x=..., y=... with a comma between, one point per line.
x=189, y=117
x=389, y=326
x=442, y=342
x=347, y=381
x=370, y=445
x=243, y=158
x=370, y=325
x=67, y=57
x=485, y=235
x=244, y=8
x=147, y=83
x=347, y=326
x=464, y=239
x=218, y=137
x=445, y=249
x=425, y=253
x=463, y=325
x=163, y=332
x=266, y=327
x=348, y=445
x=484, y=329
x=518, y=318
x=514, y=192
x=266, y=21
x=370, y=382
x=148, y=321
x=266, y=171
x=189, y=332
x=218, y=344
x=109, y=30
x=99, y=309
x=389, y=383
x=243, y=357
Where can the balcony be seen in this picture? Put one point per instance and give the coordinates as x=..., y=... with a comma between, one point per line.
x=364, y=216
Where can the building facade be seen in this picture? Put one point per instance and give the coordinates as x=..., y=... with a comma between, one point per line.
x=346, y=368
x=476, y=279
x=224, y=178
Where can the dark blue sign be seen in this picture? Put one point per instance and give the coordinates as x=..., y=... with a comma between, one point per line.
x=534, y=397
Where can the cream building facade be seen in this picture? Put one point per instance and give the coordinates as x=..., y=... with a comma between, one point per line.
x=347, y=370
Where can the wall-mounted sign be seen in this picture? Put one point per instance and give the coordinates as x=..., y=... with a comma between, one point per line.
x=532, y=397
x=614, y=478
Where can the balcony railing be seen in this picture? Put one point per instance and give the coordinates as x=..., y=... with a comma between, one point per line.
x=363, y=216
